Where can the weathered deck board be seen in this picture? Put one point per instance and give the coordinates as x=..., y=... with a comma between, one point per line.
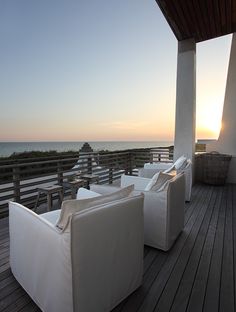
x=177, y=257
x=227, y=272
x=197, y=274
x=202, y=263
x=185, y=269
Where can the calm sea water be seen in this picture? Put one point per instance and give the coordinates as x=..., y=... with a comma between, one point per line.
x=8, y=148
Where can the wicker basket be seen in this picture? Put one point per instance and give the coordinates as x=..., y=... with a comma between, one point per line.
x=215, y=168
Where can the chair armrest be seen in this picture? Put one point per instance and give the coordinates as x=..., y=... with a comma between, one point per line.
x=139, y=182
x=155, y=219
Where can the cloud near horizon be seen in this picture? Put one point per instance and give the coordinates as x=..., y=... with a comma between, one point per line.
x=124, y=125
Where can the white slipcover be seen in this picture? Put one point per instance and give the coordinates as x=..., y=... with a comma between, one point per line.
x=83, y=193
x=150, y=169
x=163, y=210
x=90, y=268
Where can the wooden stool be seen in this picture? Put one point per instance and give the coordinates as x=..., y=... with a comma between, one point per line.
x=73, y=185
x=49, y=191
x=89, y=178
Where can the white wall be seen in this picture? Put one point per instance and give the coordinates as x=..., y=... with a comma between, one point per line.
x=226, y=143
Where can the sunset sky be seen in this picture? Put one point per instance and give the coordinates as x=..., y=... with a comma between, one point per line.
x=98, y=70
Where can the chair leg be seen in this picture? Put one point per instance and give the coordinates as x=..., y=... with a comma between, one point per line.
x=49, y=200
x=88, y=184
x=36, y=203
x=73, y=192
x=60, y=196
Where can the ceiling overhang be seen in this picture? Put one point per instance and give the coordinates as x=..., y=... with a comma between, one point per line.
x=199, y=19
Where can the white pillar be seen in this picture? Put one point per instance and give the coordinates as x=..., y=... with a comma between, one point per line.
x=226, y=143
x=185, y=115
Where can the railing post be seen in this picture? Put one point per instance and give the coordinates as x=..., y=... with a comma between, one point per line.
x=171, y=152
x=130, y=158
x=110, y=175
x=151, y=156
x=126, y=164
x=90, y=164
x=129, y=169
x=59, y=173
x=16, y=183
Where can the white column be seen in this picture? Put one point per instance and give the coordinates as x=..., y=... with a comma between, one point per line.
x=185, y=115
x=226, y=143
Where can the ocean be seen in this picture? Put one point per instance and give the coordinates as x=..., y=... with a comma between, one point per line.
x=8, y=148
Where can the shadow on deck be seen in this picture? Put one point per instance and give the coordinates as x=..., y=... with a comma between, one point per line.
x=197, y=274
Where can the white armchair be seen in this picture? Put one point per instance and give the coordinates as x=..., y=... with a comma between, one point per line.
x=91, y=264
x=150, y=169
x=163, y=210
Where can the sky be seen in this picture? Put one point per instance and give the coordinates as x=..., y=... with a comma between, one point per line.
x=86, y=70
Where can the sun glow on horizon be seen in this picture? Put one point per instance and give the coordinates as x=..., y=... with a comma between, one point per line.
x=211, y=83
x=209, y=119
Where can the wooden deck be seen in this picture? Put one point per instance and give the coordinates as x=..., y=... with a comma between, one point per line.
x=197, y=274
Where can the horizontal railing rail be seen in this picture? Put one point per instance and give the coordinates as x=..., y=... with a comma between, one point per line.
x=19, y=180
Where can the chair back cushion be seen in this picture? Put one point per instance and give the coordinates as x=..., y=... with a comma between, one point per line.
x=107, y=253
x=69, y=207
x=152, y=182
x=180, y=163
x=170, y=169
x=158, y=181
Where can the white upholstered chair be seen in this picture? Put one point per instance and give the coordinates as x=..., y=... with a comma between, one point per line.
x=185, y=167
x=83, y=261
x=163, y=210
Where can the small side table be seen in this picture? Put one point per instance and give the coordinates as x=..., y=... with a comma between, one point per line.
x=49, y=191
x=90, y=178
x=73, y=185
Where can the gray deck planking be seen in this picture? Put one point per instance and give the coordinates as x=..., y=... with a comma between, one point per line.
x=197, y=274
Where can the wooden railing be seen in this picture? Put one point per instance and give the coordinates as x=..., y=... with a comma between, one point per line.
x=19, y=180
